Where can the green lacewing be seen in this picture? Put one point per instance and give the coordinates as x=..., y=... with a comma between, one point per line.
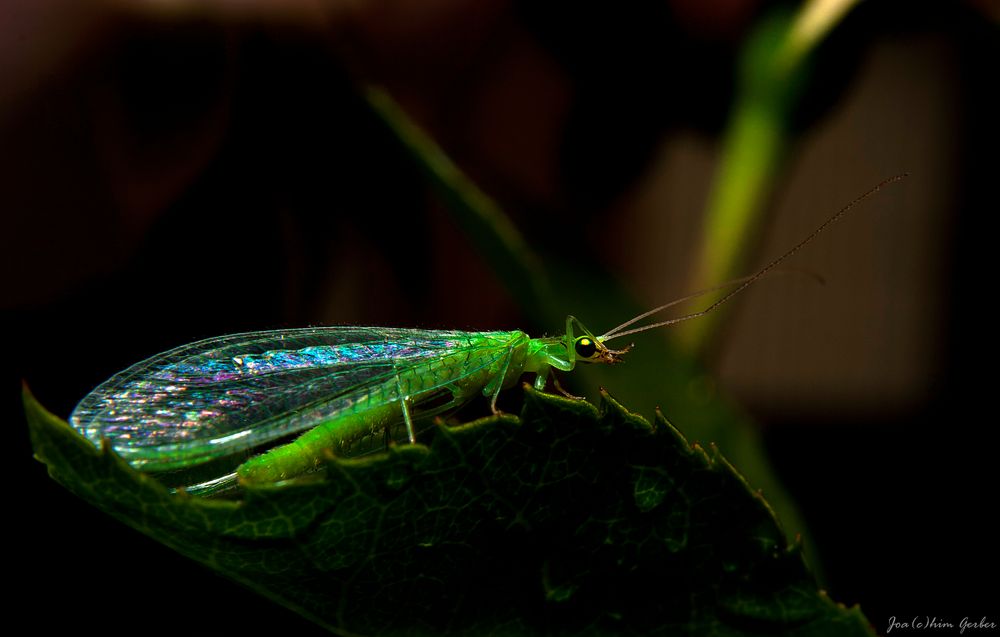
x=264, y=407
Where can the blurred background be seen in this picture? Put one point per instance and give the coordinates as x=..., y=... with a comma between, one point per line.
x=171, y=171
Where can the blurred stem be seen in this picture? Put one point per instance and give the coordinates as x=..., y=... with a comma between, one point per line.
x=815, y=20
x=483, y=221
x=773, y=69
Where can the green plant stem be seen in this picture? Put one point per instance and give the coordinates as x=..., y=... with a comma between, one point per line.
x=774, y=67
x=482, y=219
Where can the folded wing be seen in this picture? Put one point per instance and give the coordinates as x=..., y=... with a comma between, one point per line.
x=232, y=394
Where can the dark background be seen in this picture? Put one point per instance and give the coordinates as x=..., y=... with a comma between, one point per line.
x=172, y=175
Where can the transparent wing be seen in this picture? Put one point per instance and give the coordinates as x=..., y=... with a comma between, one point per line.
x=222, y=395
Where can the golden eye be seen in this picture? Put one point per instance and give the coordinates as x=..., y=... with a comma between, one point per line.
x=585, y=347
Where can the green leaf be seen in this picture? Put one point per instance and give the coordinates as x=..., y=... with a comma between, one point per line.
x=568, y=520
x=545, y=294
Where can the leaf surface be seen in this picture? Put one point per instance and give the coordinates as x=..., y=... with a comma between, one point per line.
x=567, y=520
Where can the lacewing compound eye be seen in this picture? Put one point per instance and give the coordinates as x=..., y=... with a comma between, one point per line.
x=585, y=347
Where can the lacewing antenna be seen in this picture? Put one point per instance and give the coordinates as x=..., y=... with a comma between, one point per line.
x=744, y=282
